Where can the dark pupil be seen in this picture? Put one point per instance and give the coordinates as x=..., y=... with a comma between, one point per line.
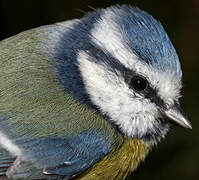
x=138, y=83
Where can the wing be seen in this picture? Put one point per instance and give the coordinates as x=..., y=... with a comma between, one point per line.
x=6, y=161
x=41, y=123
x=60, y=157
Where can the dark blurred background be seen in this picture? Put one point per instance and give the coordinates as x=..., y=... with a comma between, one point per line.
x=177, y=156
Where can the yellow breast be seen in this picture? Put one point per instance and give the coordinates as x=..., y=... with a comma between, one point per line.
x=119, y=163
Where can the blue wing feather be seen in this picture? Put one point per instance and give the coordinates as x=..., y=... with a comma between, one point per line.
x=67, y=156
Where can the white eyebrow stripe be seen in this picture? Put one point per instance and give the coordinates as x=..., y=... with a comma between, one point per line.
x=106, y=34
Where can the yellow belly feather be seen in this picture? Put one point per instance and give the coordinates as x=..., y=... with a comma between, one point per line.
x=119, y=163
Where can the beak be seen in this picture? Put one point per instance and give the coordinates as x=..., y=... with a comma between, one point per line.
x=177, y=116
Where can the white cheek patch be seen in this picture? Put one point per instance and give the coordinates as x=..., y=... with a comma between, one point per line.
x=110, y=93
x=101, y=83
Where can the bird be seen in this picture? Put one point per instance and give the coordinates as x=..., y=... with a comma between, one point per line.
x=87, y=98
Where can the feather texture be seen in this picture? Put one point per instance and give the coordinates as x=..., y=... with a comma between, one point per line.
x=34, y=105
x=66, y=107
x=118, y=164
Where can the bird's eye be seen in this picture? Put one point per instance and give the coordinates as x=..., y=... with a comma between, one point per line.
x=138, y=83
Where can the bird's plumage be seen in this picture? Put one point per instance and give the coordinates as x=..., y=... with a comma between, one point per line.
x=31, y=102
x=67, y=108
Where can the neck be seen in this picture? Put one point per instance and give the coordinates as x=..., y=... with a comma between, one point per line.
x=119, y=163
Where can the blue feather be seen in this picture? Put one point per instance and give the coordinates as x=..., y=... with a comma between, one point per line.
x=148, y=39
x=73, y=155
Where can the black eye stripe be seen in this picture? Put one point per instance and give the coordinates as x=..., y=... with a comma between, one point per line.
x=103, y=56
x=148, y=92
x=151, y=94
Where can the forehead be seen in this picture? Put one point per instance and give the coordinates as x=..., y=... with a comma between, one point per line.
x=127, y=30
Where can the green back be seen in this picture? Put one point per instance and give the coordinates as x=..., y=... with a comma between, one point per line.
x=33, y=103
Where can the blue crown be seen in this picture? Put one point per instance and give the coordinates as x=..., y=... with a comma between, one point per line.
x=147, y=39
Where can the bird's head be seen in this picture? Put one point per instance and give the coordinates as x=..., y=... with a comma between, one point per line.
x=131, y=72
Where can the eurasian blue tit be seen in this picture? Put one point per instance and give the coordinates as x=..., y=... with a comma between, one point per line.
x=87, y=98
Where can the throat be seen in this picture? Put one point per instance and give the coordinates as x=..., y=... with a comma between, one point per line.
x=119, y=163
x=155, y=134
